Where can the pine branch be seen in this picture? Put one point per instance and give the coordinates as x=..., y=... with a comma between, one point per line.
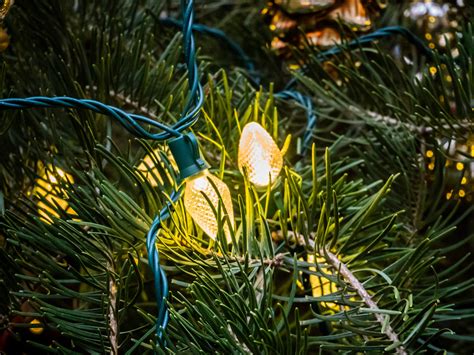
x=352, y=280
x=364, y=295
x=113, y=321
x=390, y=121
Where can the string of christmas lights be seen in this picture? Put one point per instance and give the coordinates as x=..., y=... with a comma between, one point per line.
x=206, y=197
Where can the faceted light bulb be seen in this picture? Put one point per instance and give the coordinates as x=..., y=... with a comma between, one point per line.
x=201, y=210
x=259, y=155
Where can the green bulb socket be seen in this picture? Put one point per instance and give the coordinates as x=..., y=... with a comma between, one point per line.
x=186, y=153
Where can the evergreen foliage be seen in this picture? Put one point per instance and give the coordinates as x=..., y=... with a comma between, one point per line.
x=359, y=204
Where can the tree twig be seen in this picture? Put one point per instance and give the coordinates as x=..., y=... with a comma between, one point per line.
x=390, y=121
x=113, y=322
x=354, y=282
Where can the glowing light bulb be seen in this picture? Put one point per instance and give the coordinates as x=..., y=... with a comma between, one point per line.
x=202, y=209
x=155, y=173
x=47, y=188
x=259, y=155
x=321, y=286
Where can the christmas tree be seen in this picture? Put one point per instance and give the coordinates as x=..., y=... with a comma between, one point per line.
x=292, y=177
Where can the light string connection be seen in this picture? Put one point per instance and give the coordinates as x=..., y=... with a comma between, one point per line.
x=367, y=39
x=216, y=33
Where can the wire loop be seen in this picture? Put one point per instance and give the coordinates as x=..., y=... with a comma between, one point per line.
x=132, y=123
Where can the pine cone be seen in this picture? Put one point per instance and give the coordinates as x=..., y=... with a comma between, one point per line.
x=317, y=21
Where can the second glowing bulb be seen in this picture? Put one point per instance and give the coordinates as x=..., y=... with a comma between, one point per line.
x=259, y=155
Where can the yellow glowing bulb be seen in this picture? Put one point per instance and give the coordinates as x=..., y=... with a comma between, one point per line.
x=153, y=172
x=47, y=187
x=203, y=210
x=259, y=155
x=321, y=286
x=37, y=327
x=459, y=166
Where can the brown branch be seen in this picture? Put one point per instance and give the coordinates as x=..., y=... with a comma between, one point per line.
x=354, y=282
x=357, y=285
x=113, y=322
x=276, y=261
x=125, y=99
x=390, y=121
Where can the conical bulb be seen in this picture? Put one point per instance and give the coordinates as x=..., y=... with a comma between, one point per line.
x=259, y=155
x=200, y=208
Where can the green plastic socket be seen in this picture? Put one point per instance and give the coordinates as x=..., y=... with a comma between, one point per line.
x=186, y=152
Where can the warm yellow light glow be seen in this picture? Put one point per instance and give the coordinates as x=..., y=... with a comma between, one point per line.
x=202, y=211
x=148, y=167
x=321, y=286
x=4, y=39
x=47, y=187
x=429, y=153
x=259, y=155
x=4, y=8
x=36, y=330
x=459, y=166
